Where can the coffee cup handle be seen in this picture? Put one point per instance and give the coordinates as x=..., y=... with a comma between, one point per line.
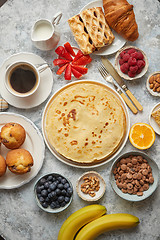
x=56, y=19
x=42, y=67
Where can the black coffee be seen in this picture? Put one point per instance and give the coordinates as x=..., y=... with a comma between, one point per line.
x=23, y=78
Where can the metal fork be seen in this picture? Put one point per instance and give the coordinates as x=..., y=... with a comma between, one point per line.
x=109, y=78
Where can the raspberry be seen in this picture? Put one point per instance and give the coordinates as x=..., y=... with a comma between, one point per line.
x=126, y=56
x=134, y=55
x=139, y=70
x=140, y=56
x=133, y=69
x=130, y=51
x=132, y=61
x=140, y=63
x=122, y=53
x=131, y=75
x=121, y=61
x=124, y=67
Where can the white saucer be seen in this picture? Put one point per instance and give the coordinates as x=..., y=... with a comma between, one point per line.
x=152, y=122
x=118, y=41
x=33, y=143
x=43, y=90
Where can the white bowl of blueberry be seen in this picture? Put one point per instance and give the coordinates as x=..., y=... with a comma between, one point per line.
x=53, y=192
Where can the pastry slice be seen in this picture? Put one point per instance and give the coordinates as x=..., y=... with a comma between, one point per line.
x=81, y=35
x=156, y=116
x=97, y=27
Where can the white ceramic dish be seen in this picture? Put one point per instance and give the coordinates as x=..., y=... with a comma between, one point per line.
x=125, y=76
x=156, y=94
x=99, y=193
x=33, y=143
x=152, y=121
x=43, y=90
x=146, y=194
x=67, y=161
x=49, y=209
x=118, y=41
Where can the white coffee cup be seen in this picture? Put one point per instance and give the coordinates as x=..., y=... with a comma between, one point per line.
x=22, y=78
x=44, y=34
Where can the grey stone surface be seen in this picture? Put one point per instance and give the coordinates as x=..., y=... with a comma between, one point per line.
x=20, y=217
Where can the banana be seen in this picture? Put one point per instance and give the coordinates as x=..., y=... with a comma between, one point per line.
x=78, y=219
x=106, y=223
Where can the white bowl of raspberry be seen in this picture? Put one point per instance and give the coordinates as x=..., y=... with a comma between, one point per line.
x=131, y=63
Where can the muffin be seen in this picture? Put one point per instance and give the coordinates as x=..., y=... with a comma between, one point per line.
x=13, y=135
x=3, y=166
x=19, y=161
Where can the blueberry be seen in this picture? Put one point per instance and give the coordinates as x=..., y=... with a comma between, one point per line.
x=52, y=187
x=66, y=185
x=41, y=187
x=63, y=192
x=62, y=204
x=50, y=178
x=47, y=199
x=63, y=181
x=42, y=181
x=49, y=190
x=38, y=189
x=59, y=178
x=44, y=193
x=69, y=191
x=54, y=195
x=53, y=205
x=46, y=185
x=57, y=204
x=60, y=199
x=45, y=204
x=38, y=195
x=53, y=179
x=67, y=199
x=58, y=192
x=60, y=186
x=41, y=199
x=50, y=195
x=49, y=182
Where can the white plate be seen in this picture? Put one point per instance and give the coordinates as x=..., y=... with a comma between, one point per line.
x=33, y=143
x=67, y=161
x=43, y=90
x=152, y=121
x=118, y=41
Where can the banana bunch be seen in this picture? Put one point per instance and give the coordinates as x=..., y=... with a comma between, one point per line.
x=95, y=223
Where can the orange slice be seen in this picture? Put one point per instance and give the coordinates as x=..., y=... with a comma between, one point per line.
x=142, y=135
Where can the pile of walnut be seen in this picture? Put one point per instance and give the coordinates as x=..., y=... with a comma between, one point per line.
x=91, y=185
x=133, y=175
x=155, y=82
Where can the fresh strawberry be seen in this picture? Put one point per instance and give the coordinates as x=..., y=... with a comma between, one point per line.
x=67, y=74
x=61, y=69
x=59, y=50
x=76, y=73
x=69, y=49
x=60, y=62
x=66, y=55
x=80, y=69
x=78, y=55
x=84, y=60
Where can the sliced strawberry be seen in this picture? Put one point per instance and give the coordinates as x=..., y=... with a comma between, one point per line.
x=60, y=61
x=84, y=60
x=59, y=50
x=67, y=74
x=76, y=73
x=80, y=69
x=78, y=55
x=61, y=69
x=69, y=49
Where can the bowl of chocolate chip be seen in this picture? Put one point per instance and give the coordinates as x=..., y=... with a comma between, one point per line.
x=134, y=176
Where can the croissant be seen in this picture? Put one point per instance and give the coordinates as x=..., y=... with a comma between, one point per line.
x=120, y=16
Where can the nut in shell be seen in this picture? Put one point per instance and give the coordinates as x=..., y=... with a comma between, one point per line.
x=3, y=105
